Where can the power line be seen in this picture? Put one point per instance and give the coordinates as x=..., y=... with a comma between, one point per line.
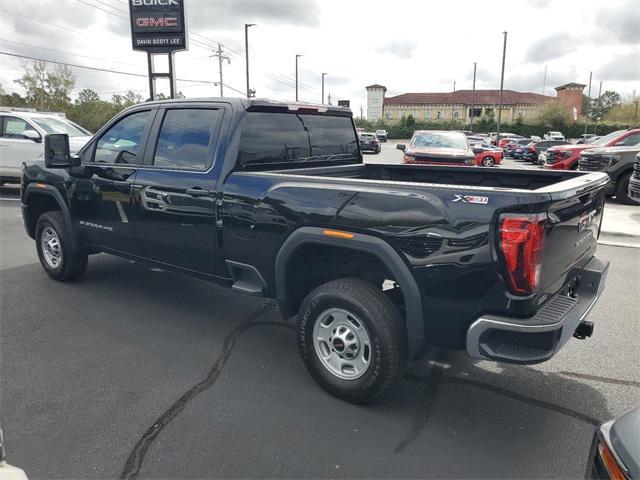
x=117, y=72
x=65, y=52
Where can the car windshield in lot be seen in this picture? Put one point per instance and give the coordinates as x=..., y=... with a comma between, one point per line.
x=59, y=125
x=285, y=137
x=439, y=140
x=607, y=138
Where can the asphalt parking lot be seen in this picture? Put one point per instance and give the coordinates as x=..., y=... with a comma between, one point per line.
x=134, y=372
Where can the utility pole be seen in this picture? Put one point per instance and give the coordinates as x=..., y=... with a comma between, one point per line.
x=297, y=56
x=221, y=57
x=586, y=121
x=473, y=95
x=635, y=115
x=323, y=75
x=599, y=107
x=361, y=113
x=544, y=82
x=246, y=52
x=329, y=102
x=504, y=55
x=454, y=86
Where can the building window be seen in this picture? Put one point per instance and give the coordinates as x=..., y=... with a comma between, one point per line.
x=456, y=114
x=388, y=115
x=439, y=115
x=477, y=112
x=427, y=115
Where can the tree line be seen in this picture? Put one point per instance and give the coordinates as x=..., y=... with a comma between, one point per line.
x=49, y=90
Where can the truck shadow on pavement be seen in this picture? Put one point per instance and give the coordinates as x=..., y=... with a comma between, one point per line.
x=446, y=408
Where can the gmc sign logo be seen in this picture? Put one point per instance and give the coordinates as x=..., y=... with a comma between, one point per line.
x=146, y=22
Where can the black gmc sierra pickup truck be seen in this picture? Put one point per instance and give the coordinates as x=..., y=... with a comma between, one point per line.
x=377, y=261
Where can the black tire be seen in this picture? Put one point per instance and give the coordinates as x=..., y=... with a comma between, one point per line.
x=622, y=190
x=382, y=324
x=73, y=257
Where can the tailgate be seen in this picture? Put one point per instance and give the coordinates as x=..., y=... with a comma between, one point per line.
x=574, y=217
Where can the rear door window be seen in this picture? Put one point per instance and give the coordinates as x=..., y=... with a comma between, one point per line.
x=185, y=138
x=282, y=138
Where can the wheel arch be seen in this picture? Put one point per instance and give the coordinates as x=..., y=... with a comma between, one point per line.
x=39, y=199
x=363, y=244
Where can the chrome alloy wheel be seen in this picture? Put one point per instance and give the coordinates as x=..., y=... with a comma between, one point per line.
x=342, y=343
x=488, y=161
x=51, y=248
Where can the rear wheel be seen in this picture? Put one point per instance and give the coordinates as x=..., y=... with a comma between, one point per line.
x=349, y=336
x=622, y=190
x=59, y=253
x=488, y=161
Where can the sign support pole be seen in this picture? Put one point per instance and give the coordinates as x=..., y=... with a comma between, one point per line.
x=152, y=93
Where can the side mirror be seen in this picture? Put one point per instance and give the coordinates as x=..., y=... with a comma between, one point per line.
x=56, y=151
x=32, y=135
x=401, y=146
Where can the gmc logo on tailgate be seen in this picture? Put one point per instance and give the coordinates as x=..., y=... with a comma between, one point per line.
x=586, y=220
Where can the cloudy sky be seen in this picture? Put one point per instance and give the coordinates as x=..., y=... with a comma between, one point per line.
x=408, y=46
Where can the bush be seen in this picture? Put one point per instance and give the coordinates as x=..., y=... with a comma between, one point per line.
x=402, y=130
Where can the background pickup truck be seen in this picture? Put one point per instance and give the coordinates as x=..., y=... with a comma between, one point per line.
x=376, y=261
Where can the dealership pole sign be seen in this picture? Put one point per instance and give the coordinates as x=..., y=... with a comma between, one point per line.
x=158, y=27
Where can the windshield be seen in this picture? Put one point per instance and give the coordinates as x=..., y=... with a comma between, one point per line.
x=60, y=125
x=607, y=138
x=440, y=140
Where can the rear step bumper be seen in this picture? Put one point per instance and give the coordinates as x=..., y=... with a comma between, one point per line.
x=538, y=338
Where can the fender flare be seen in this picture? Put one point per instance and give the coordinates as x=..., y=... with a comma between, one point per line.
x=51, y=191
x=368, y=244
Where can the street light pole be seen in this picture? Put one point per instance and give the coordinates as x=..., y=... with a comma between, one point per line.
x=588, y=112
x=504, y=55
x=297, y=56
x=323, y=75
x=246, y=52
x=473, y=95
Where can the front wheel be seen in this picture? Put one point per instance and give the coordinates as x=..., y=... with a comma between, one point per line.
x=60, y=255
x=349, y=336
x=488, y=161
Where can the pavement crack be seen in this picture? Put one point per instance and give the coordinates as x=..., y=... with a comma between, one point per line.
x=432, y=384
x=597, y=378
x=136, y=457
x=522, y=398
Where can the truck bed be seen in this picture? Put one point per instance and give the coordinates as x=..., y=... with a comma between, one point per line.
x=516, y=180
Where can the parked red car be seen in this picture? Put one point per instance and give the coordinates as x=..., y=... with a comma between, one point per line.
x=487, y=155
x=565, y=157
x=505, y=138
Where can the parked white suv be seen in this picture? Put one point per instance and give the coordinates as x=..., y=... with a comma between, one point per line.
x=22, y=138
x=553, y=136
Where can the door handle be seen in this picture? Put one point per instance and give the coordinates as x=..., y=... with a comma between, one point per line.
x=197, y=192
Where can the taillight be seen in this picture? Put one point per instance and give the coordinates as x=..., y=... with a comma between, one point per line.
x=610, y=462
x=521, y=242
